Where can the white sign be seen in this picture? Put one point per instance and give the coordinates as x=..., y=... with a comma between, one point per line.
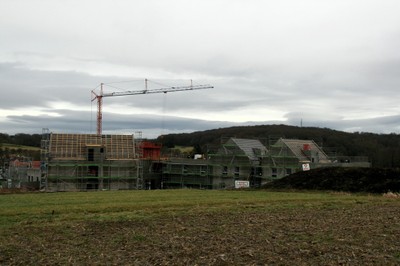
x=306, y=167
x=242, y=184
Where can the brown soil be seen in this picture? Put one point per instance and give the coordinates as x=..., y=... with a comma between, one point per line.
x=360, y=234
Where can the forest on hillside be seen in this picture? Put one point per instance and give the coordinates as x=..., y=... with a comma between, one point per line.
x=383, y=150
x=12, y=146
x=21, y=139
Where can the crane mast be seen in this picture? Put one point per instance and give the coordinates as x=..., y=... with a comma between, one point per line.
x=100, y=95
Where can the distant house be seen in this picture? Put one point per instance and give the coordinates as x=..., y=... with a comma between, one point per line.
x=252, y=149
x=249, y=159
x=238, y=159
x=23, y=173
x=80, y=162
x=185, y=173
x=288, y=156
x=306, y=152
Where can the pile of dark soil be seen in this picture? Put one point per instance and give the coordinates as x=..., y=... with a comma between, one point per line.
x=369, y=180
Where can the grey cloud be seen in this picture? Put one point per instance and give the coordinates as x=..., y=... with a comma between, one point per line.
x=384, y=125
x=306, y=60
x=23, y=87
x=155, y=125
x=84, y=122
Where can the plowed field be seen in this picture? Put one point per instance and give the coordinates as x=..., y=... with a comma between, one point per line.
x=200, y=228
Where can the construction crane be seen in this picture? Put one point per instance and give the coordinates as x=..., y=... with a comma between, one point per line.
x=99, y=96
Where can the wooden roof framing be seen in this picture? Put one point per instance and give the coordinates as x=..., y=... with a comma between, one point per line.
x=75, y=146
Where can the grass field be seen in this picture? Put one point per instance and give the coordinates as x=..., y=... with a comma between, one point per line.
x=204, y=227
x=16, y=147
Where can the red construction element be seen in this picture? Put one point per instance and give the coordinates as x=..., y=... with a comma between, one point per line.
x=306, y=147
x=150, y=150
x=26, y=164
x=99, y=98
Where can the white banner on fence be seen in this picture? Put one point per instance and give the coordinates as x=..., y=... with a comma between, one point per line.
x=242, y=184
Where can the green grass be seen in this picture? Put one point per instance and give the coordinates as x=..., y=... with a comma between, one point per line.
x=16, y=147
x=40, y=208
x=184, y=149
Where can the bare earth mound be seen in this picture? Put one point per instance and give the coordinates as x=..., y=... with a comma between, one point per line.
x=369, y=180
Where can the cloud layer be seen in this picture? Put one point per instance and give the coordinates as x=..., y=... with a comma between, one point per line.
x=326, y=63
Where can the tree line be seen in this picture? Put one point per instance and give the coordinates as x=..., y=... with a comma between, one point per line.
x=21, y=139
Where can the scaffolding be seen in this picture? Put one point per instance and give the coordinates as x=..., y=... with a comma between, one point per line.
x=44, y=157
x=239, y=159
x=281, y=161
x=186, y=173
x=227, y=168
x=139, y=148
x=81, y=162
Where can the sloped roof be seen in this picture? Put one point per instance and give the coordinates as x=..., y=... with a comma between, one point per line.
x=297, y=148
x=252, y=148
x=74, y=146
x=26, y=164
x=18, y=163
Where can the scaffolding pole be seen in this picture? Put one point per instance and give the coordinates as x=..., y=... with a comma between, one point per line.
x=139, y=149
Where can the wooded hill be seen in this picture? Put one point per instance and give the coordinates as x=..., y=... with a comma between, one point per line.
x=383, y=150
x=21, y=139
x=19, y=145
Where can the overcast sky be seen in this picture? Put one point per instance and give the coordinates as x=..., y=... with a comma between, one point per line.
x=328, y=63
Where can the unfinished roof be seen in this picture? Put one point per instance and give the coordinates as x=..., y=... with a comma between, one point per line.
x=300, y=148
x=75, y=146
x=252, y=148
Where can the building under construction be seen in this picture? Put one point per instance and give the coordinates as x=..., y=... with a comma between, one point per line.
x=82, y=162
x=250, y=161
x=89, y=161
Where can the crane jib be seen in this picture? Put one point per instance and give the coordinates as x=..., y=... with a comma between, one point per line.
x=163, y=90
x=100, y=96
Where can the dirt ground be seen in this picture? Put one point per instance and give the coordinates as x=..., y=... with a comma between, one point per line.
x=360, y=234
x=367, y=180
